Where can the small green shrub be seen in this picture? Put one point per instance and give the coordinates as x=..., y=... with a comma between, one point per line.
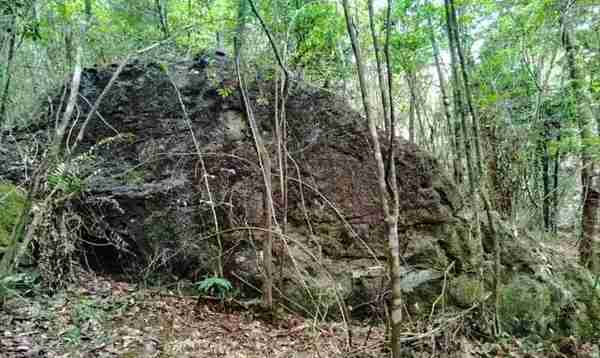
x=580, y=303
x=66, y=179
x=215, y=286
x=466, y=290
x=135, y=177
x=12, y=202
x=17, y=284
x=526, y=307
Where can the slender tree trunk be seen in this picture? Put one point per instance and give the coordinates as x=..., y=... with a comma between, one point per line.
x=458, y=99
x=412, y=108
x=456, y=163
x=162, y=12
x=555, y=184
x=264, y=156
x=474, y=171
x=547, y=200
x=68, y=38
x=242, y=17
x=589, y=249
x=268, y=240
x=12, y=44
x=467, y=89
x=382, y=86
x=264, y=160
x=390, y=210
x=420, y=115
x=394, y=217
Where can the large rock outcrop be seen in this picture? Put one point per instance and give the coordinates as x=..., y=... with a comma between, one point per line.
x=146, y=196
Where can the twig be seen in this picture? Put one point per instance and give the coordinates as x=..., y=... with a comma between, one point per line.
x=442, y=325
x=443, y=289
x=204, y=175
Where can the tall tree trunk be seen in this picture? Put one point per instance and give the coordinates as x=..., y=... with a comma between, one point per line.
x=12, y=44
x=555, y=175
x=163, y=22
x=382, y=86
x=386, y=193
x=589, y=248
x=68, y=38
x=411, y=110
x=268, y=284
x=467, y=88
x=456, y=163
x=264, y=160
x=268, y=237
x=477, y=190
x=547, y=199
x=242, y=18
x=457, y=87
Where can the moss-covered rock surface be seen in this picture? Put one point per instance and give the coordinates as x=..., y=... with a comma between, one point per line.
x=12, y=201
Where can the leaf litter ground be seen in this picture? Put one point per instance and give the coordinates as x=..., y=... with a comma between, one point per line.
x=104, y=318
x=101, y=317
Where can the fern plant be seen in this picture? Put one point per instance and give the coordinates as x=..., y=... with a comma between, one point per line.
x=16, y=284
x=215, y=286
x=65, y=179
x=71, y=176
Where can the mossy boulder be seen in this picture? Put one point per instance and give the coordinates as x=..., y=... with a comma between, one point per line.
x=577, y=294
x=461, y=246
x=525, y=306
x=12, y=202
x=466, y=290
x=566, y=303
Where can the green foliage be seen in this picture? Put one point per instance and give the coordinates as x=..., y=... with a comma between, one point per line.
x=215, y=286
x=525, y=307
x=17, y=284
x=466, y=290
x=319, y=28
x=578, y=295
x=410, y=44
x=12, y=202
x=135, y=177
x=64, y=179
x=71, y=177
x=225, y=92
x=86, y=312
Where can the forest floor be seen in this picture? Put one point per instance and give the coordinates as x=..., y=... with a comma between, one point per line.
x=103, y=317
x=106, y=318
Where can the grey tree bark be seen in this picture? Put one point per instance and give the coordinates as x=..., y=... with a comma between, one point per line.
x=458, y=98
x=382, y=86
x=456, y=162
x=589, y=247
x=12, y=44
x=467, y=89
x=388, y=191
